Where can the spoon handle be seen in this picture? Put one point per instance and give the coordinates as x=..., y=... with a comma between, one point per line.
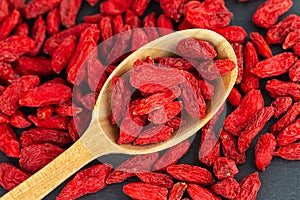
x=52, y=175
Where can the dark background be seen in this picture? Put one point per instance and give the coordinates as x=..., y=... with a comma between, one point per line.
x=281, y=180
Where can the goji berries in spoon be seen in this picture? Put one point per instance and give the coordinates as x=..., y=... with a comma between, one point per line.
x=100, y=138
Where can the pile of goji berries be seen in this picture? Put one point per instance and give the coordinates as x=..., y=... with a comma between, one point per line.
x=42, y=52
x=163, y=89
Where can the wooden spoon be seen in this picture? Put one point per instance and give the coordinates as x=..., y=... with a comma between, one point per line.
x=100, y=138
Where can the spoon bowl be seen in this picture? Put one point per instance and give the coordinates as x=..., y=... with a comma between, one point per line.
x=100, y=138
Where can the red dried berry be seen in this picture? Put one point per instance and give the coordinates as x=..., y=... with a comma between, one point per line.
x=35, y=157
x=144, y=191
x=228, y=188
x=264, y=150
x=233, y=34
x=254, y=126
x=9, y=143
x=10, y=176
x=191, y=174
x=89, y=180
x=224, y=168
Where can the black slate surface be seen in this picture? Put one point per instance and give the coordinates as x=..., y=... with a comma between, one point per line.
x=280, y=181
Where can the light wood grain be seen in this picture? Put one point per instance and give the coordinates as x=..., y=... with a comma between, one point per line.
x=100, y=138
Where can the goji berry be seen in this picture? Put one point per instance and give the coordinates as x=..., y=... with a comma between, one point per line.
x=4, y=7
x=40, y=66
x=123, y=39
x=22, y=30
x=7, y=74
x=133, y=165
x=196, y=49
x=254, y=126
x=89, y=180
x=165, y=25
x=132, y=19
x=172, y=156
x=151, y=79
x=261, y=45
x=207, y=89
x=144, y=191
x=278, y=32
x=230, y=148
x=73, y=132
x=287, y=119
x=250, y=81
x=67, y=109
x=238, y=119
x=15, y=46
x=139, y=6
x=117, y=24
x=210, y=14
x=279, y=88
x=9, y=100
x=172, y=9
x=289, y=152
x=281, y=105
x=87, y=43
x=224, y=66
x=53, y=21
x=139, y=39
x=9, y=143
x=149, y=24
x=178, y=63
x=175, y=123
x=224, y=168
x=35, y=157
x=42, y=135
x=38, y=7
x=209, y=150
x=191, y=174
x=105, y=27
x=177, y=191
x=291, y=39
x=264, y=150
x=294, y=72
x=198, y=192
x=114, y=7
x=239, y=52
x=54, y=41
x=10, y=176
x=162, y=180
x=154, y=134
x=234, y=97
x=274, y=66
x=166, y=113
x=63, y=53
x=19, y=120
x=54, y=122
x=193, y=101
x=68, y=11
x=249, y=187
x=297, y=49
x=46, y=94
x=268, y=13
x=290, y=134
x=233, y=34
x=9, y=24
x=228, y=188
x=39, y=35
x=89, y=100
